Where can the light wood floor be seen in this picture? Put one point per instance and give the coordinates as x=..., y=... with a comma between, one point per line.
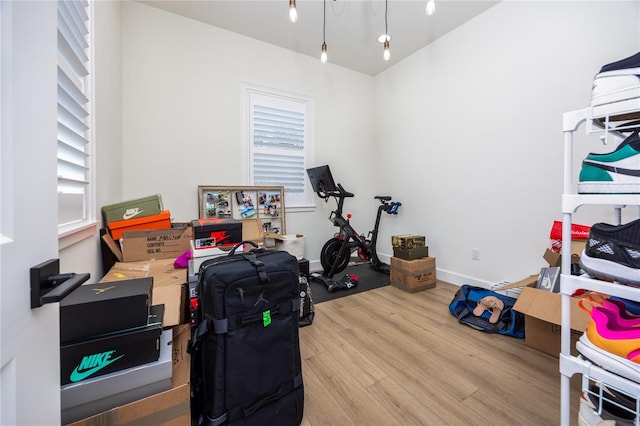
x=388, y=357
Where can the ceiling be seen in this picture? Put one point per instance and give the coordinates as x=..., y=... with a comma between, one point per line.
x=352, y=26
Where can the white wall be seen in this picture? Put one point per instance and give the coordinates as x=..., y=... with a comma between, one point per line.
x=183, y=118
x=466, y=132
x=472, y=128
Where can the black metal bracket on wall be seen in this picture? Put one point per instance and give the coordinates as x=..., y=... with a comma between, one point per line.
x=48, y=285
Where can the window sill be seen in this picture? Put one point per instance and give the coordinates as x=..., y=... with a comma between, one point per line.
x=69, y=237
x=301, y=209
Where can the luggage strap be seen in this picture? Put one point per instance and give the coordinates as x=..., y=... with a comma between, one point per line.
x=239, y=320
x=236, y=413
x=262, y=272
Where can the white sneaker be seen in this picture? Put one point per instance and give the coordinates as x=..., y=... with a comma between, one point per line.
x=617, y=81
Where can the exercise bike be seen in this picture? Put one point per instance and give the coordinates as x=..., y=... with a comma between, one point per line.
x=336, y=252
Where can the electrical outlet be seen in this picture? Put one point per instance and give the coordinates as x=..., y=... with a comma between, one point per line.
x=475, y=254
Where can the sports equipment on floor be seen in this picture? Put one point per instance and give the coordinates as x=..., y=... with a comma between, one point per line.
x=336, y=252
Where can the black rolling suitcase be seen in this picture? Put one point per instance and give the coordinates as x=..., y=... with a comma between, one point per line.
x=245, y=352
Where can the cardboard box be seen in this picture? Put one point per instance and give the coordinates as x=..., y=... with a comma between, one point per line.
x=116, y=397
x=157, y=221
x=136, y=208
x=413, y=275
x=225, y=232
x=555, y=259
x=156, y=244
x=181, y=372
x=411, y=253
x=543, y=318
x=169, y=285
x=118, y=351
x=293, y=244
x=95, y=309
x=408, y=241
x=252, y=231
x=167, y=408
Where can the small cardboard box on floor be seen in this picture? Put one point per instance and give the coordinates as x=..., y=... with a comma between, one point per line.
x=169, y=285
x=413, y=275
x=543, y=316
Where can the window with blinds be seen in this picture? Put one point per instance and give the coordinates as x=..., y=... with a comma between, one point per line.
x=280, y=141
x=74, y=139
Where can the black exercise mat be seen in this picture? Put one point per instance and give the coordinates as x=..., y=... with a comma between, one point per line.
x=368, y=279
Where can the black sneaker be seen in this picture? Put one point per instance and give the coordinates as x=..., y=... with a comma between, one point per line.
x=612, y=253
x=617, y=81
x=606, y=406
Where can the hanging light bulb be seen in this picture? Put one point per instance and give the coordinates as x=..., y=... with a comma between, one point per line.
x=431, y=7
x=386, y=37
x=293, y=14
x=323, y=55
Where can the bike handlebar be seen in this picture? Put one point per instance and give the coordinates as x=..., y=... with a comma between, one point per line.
x=340, y=193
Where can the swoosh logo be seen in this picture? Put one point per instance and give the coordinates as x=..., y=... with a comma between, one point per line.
x=618, y=170
x=131, y=213
x=76, y=375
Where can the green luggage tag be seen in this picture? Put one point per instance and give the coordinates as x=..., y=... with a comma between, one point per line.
x=266, y=318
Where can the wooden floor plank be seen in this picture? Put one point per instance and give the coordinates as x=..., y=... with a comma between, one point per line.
x=388, y=357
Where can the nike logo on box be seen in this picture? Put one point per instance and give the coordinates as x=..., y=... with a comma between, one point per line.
x=91, y=364
x=131, y=213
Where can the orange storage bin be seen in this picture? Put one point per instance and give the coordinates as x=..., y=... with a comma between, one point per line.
x=157, y=221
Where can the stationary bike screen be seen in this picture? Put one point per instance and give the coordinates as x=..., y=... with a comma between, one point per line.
x=321, y=179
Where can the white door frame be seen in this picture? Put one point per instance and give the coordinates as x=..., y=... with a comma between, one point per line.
x=29, y=339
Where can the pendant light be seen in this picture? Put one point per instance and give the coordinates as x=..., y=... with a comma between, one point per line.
x=293, y=14
x=323, y=55
x=431, y=7
x=387, y=54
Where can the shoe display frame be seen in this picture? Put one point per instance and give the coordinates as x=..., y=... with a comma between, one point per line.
x=595, y=119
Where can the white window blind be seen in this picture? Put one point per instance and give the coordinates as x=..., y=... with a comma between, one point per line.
x=73, y=112
x=279, y=144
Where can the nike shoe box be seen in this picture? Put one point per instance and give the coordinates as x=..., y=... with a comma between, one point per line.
x=130, y=209
x=216, y=232
x=161, y=220
x=95, y=309
x=99, y=394
x=112, y=352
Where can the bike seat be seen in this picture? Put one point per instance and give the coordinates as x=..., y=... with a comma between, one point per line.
x=383, y=197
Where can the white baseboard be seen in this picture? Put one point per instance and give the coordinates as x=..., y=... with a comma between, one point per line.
x=442, y=274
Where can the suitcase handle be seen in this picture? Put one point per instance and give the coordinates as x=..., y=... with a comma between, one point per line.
x=240, y=244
